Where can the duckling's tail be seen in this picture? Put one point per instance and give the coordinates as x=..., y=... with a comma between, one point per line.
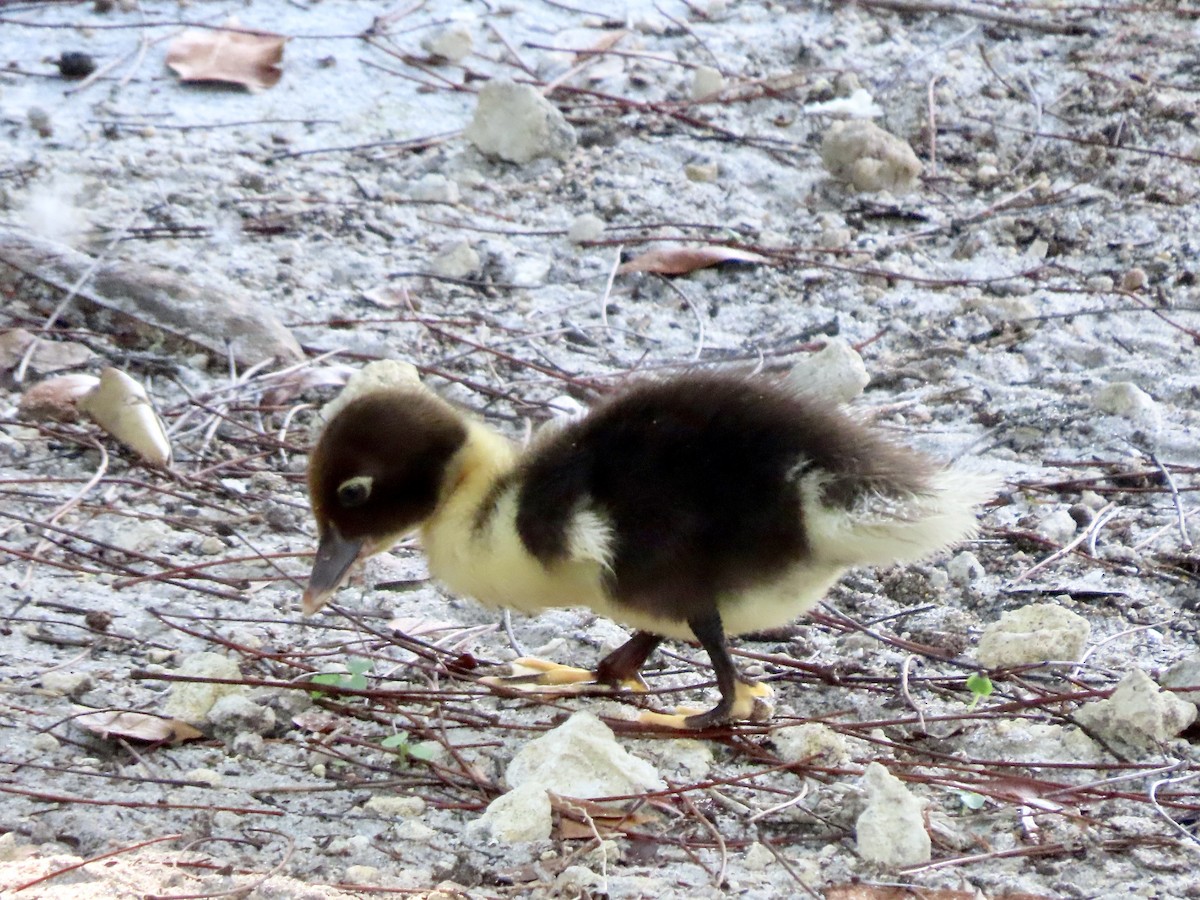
x=880, y=529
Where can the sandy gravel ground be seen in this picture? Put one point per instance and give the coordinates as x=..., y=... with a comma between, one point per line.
x=1026, y=304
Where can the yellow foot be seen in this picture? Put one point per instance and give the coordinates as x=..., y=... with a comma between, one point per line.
x=529, y=673
x=753, y=702
x=677, y=720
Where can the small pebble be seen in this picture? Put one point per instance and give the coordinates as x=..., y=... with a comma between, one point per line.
x=435, y=188
x=587, y=227
x=1133, y=280
x=459, y=260
x=964, y=568
x=39, y=121
x=212, y=545
x=73, y=64
x=706, y=82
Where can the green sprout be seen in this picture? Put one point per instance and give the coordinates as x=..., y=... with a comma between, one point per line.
x=355, y=676
x=399, y=744
x=980, y=686
x=971, y=800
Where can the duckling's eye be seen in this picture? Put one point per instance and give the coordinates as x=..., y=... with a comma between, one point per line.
x=354, y=491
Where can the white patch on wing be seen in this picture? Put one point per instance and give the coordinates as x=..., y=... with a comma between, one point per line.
x=590, y=536
x=881, y=530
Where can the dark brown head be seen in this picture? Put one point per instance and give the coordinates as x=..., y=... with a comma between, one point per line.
x=377, y=471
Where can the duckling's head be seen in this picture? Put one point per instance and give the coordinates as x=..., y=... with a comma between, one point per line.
x=377, y=471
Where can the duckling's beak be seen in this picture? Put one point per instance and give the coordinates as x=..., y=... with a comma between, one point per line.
x=335, y=556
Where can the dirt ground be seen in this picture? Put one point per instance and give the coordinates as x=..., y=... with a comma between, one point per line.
x=1027, y=305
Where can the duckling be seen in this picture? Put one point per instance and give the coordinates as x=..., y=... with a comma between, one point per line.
x=695, y=508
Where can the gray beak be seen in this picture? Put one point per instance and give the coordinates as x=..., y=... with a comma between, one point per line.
x=335, y=556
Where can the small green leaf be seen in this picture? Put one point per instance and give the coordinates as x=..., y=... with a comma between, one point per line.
x=425, y=750
x=358, y=666
x=972, y=800
x=395, y=741
x=980, y=686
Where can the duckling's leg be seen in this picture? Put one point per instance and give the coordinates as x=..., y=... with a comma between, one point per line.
x=741, y=698
x=619, y=668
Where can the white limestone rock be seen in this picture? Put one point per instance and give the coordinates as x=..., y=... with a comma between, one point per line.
x=523, y=814
x=459, y=260
x=964, y=567
x=515, y=123
x=67, y=682
x=403, y=807
x=1032, y=634
x=235, y=713
x=453, y=44
x=581, y=758
x=191, y=701
x=871, y=159
x=1138, y=716
x=434, y=188
x=1127, y=400
x=835, y=371
x=811, y=742
x=890, y=832
x=587, y=227
x=706, y=82
x=1185, y=673
x=1059, y=526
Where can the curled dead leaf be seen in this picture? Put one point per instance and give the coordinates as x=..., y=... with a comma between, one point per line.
x=137, y=726
x=678, y=260
x=228, y=54
x=56, y=399
x=119, y=405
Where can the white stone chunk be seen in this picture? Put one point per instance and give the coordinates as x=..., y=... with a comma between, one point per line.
x=459, y=260
x=515, y=123
x=1185, y=673
x=1138, y=716
x=1127, y=400
x=835, y=372
x=587, y=227
x=1059, y=526
x=1032, y=634
x=890, y=832
x=812, y=742
x=191, y=701
x=871, y=159
x=523, y=814
x=964, y=568
x=453, y=44
x=581, y=758
x=706, y=82
x=434, y=188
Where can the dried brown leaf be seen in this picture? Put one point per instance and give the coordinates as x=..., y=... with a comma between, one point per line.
x=56, y=399
x=681, y=260
x=247, y=58
x=137, y=726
